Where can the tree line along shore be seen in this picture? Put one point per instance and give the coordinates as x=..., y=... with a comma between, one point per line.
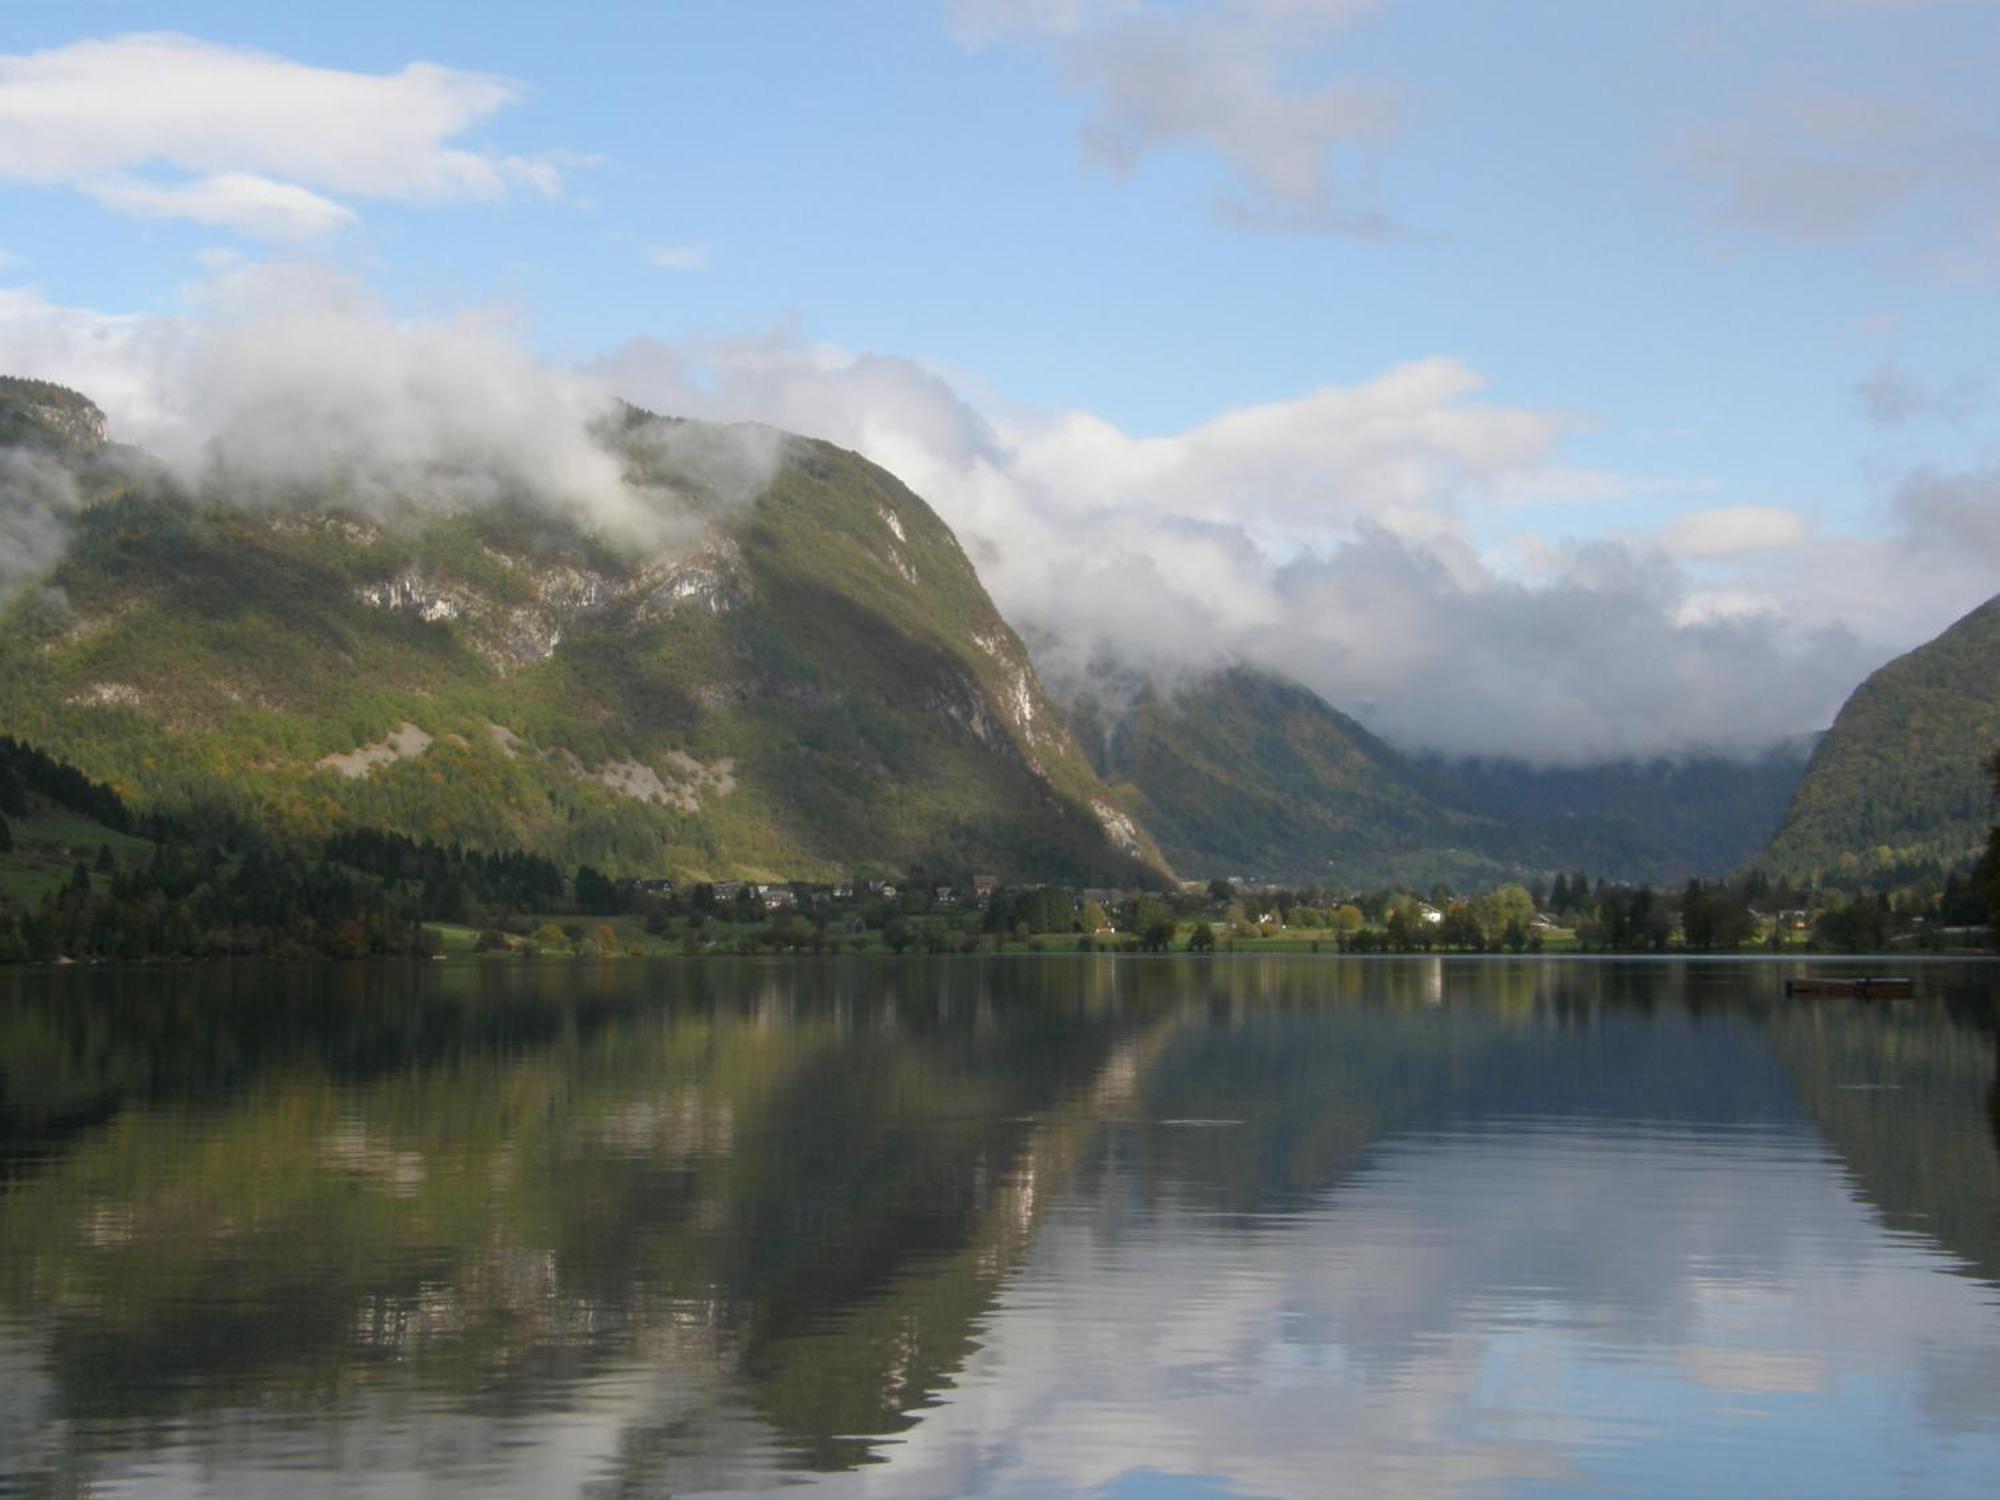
x=84, y=878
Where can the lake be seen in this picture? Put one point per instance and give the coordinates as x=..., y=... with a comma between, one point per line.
x=1046, y=1226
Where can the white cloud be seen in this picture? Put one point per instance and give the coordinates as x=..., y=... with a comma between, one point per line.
x=1563, y=486
x=678, y=257
x=169, y=125
x=1402, y=450
x=38, y=500
x=1217, y=77
x=104, y=355
x=1730, y=529
x=284, y=383
x=231, y=200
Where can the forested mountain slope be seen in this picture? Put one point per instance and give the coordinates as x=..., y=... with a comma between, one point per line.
x=1662, y=820
x=1900, y=780
x=804, y=682
x=1245, y=773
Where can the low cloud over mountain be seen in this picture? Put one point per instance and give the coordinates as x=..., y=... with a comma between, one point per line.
x=1363, y=538
x=1336, y=538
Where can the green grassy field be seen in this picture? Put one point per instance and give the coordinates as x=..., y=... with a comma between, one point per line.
x=47, y=846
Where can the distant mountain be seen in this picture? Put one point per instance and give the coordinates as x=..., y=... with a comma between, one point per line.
x=1660, y=820
x=805, y=683
x=1900, y=779
x=1244, y=773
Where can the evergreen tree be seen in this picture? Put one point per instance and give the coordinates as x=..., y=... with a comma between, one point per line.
x=595, y=894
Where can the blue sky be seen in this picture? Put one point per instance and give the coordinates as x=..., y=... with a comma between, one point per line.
x=1740, y=260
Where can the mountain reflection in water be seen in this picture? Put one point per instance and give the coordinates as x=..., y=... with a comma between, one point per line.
x=1009, y=1227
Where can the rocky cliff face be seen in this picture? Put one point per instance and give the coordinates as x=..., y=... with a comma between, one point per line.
x=39, y=413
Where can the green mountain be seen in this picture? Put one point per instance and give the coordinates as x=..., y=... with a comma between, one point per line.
x=804, y=684
x=1243, y=773
x=1900, y=780
x=1661, y=821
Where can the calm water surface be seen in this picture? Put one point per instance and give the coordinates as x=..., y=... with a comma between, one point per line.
x=1012, y=1227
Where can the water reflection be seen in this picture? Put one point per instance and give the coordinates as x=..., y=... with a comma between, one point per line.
x=1012, y=1227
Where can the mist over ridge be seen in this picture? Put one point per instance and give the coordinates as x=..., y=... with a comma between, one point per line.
x=1327, y=539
